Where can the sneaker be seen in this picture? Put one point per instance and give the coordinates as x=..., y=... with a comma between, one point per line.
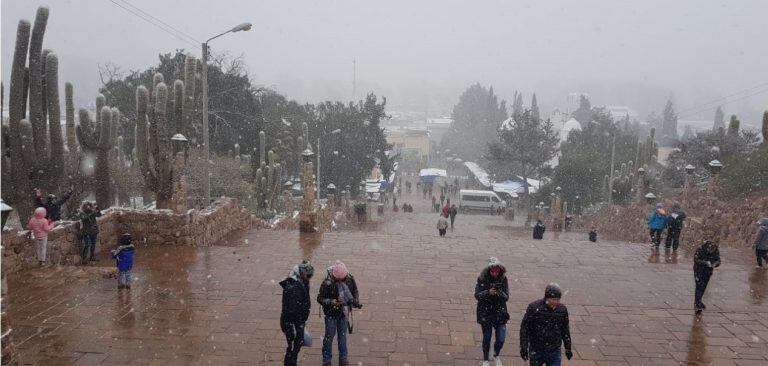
x=485, y=363
x=498, y=361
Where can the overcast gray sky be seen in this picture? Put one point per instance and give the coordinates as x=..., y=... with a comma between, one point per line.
x=635, y=53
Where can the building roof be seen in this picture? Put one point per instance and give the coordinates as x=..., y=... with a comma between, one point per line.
x=479, y=173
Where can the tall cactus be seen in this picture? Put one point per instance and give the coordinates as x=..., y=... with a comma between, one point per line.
x=35, y=146
x=262, y=147
x=765, y=128
x=70, y=116
x=95, y=139
x=154, y=129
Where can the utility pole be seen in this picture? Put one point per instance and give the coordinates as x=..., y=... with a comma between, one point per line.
x=610, y=179
x=318, y=170
x=354, y=80
x=206, y=138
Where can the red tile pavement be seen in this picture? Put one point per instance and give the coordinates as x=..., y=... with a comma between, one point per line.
x=220, y=305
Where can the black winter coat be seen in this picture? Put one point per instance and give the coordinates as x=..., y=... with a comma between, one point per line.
x=329, y=292
x=544, y=329
x=492, y=309
x=53, y=209
x=88, y=225
x=296, y=301
x=700, y=259
x=675, y=221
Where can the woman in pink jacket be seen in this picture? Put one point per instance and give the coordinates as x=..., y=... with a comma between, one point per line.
x=40, y=227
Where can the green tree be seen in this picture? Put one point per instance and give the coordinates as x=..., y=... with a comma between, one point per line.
x=669, y=125
x=528, y=142
x=584, y=113
x=476, y=119
x=719, y=119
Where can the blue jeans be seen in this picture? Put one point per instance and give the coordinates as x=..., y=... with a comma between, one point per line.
x=501, y=332
x=124, y=278
x=334, y=325
x=551, y=358
x=89, y=245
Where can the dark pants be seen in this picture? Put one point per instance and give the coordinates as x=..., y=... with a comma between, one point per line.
x=551, y=358
x=673, y=239
x=441, y=231
x=335, y=325
x=294, y=336
x=762, y=256
x=89, y=245
x=488, y=329
x=701, y=278
x=656, y=236
x=453, y=218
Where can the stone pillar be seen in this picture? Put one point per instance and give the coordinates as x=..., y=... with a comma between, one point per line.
x=308, y=214
x=180, y=186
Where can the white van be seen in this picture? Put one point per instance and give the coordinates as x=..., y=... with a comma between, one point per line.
x=479, y=200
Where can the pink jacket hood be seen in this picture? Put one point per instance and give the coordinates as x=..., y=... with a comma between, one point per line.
x=39, y=225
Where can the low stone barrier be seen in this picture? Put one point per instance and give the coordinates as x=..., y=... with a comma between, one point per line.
x=155, y=227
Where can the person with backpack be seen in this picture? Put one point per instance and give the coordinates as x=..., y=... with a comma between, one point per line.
x=338, y=295
x=674, y=227
x=656, y=223
x=39, y=226
x=296, y=307
x=89, y=230
x=492, y=294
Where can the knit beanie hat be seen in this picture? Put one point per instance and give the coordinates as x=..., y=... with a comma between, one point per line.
x=339, y=270
x=553, y=291
x=306, y=268
x=125, y=239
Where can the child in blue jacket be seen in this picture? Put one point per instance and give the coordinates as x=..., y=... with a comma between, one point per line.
x=123, y=257
x=656, y=223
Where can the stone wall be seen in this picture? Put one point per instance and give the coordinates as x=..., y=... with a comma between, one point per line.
x=154, y=227
x=731, y=223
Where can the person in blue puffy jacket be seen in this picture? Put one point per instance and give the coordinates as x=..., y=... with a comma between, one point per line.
x=656, y=223
x=123, y=257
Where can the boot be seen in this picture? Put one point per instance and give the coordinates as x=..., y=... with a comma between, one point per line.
x=343, y=361
x=327, y=363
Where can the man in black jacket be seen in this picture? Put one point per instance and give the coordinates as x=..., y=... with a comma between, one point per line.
x=296, y=306
x=706, y=259
x=544, y=328
x=51, y=203
x=674, y=227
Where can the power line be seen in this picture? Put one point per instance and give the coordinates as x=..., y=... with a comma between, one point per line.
x=153, y=23
x=728, y=102
x=724, y=98
x=161, y=22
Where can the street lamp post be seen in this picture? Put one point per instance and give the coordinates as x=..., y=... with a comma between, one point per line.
x=206, y=137
x=334, y=132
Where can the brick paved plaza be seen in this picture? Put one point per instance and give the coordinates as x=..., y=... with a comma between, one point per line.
x=220, y=305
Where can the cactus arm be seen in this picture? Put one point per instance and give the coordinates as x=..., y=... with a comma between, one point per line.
x=39, y=128
x=54, y=114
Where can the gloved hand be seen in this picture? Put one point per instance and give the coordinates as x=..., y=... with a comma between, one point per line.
x=568, y=354
x=524, y=354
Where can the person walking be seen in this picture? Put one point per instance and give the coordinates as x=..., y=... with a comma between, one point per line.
x=123, y=257
x=593, y=233
x=39, y=227
x=338, y=295
x=89, y=230
x=656, y=223
x=434, y=204
x=674, y=227
x=492, y=294
x=442, y=225
x=296, y=307
x=544, y=329
x=538, y=230
x=452, y=212
x=705, y=260
x=51, y=203
x=761, y=243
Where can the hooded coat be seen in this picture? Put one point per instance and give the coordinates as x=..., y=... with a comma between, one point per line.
x=88, y=225
x=675, y=219
x=492, y=309
x=658, y=220
x=703, y=261
x=761, y=242
x=123, y=255
x=329, y=291
x=39, y=225
x=296, y=300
